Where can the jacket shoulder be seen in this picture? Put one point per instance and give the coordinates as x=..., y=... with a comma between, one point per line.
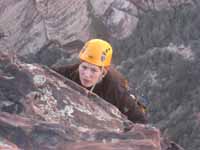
x=117, y=78
x=65, y=70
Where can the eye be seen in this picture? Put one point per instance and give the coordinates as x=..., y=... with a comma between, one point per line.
x=94, y=70
x=84, y=67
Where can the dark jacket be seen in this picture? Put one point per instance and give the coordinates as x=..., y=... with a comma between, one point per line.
x=112, y=88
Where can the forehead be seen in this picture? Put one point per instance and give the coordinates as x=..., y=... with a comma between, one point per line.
x=90, y=65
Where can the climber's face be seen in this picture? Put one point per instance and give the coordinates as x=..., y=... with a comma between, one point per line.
x=89, y=74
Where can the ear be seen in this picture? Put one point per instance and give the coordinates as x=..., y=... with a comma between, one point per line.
x=105, y=71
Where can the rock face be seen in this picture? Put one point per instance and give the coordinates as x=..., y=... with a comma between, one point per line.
x=171, y=82
x=29, y=24
x=42, y=110
x=165, y=69
x=156, y=45
x=146, y=5
x=22, y=26
x=5, y=144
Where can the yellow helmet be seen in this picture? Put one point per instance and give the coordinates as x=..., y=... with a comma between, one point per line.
x=97, y=52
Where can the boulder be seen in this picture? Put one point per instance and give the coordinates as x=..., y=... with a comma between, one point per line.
x=41, y=109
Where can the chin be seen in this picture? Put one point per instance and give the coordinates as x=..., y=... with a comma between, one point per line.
x=86, y=85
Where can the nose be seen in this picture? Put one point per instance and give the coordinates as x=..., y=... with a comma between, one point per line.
x=87, y=73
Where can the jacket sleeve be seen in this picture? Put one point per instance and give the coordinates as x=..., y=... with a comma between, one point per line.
x=60, y=69
x=64, y=70
x=128, y=106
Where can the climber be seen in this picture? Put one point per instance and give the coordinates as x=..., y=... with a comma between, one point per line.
x=94, y=72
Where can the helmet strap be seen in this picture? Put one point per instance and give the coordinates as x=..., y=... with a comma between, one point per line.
x=103, y=58
x=100, y=78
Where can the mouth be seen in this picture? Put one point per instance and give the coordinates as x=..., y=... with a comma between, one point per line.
x=86, y=82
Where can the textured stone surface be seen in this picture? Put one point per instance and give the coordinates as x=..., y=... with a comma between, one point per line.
x=145, y=5
x=169, y=29
x=34, y=134
x=119, y=17
x=5, y=145
x=165, y=69
x=29, y=24
x=42, y=110
x=65, y=20
x=169, y=78
x=22, y=25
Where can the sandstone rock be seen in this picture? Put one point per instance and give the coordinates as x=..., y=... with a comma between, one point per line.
x=42, y=110
x=65, y=21
x=30, y=24
x=169, y=78
x=22, y=25
x=134, y=27
x=159, y=4
x=119, y=17
x=5, y=145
